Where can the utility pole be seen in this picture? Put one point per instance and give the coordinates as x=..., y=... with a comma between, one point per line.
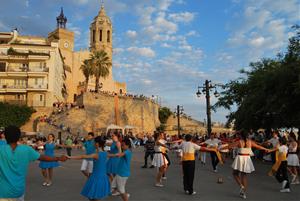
x=208, y=112
x=207, y=86
x=178, y=112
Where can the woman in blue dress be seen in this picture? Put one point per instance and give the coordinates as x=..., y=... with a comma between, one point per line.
x=47, y=167
x=112, y=163
x=97, y=186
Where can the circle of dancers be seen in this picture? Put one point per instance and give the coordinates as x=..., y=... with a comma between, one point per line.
x=106, y=162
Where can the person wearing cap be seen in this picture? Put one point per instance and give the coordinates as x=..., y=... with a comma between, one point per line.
x=15, y=159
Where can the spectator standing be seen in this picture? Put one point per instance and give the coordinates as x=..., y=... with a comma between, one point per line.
x=149, y=151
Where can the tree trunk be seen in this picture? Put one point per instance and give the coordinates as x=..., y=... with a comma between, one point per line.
x=86, y=84
x=97, y=84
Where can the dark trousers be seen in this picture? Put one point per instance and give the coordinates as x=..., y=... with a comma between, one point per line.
x=69, y=151
x=273, y=157
x=147, y=154
x=214, y=160
x=282, y=174
x=188, y=175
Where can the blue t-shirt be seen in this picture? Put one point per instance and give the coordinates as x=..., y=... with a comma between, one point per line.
x=90, y=148
x=3, y=142
x=124, y=164
x=13, y=169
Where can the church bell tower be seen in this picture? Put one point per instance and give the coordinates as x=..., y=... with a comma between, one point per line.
x=101, y=33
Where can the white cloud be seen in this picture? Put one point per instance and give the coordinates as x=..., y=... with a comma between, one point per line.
x=77, y=31
x=164, y=4
x=192, y=33
x=118, y=50
x=27, y=4
x=147, y=81
x=184, y=17
x=143, y=51
x=186, y=47
x=224, y=57
x=166, y=45
x=257, y=41
x=255, y=18
x=164, y=25
x=131, y=34
x=146, y=15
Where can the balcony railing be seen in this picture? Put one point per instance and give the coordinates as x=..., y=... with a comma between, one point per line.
x=38, y=86
x=26, y=69
x=16, y=69
x=38, y=69
x=16, y=86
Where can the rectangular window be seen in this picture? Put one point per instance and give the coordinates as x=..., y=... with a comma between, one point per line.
x=41, y=98
x=108, y=36
x=93, y=36
x=100, y=37
x=35, y=81
x=2, y=67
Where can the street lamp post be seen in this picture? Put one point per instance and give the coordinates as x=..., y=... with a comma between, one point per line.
x=178, y=112
x=206, y=88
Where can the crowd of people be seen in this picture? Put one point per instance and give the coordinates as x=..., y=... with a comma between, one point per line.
x=242, y=146
x=128, y=95
x=107, y=159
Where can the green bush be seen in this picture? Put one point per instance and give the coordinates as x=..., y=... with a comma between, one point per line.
x=16, y=115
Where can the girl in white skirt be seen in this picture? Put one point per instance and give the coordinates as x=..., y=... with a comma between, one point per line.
x=293, y=160
x=242, y=164
x=159, y=160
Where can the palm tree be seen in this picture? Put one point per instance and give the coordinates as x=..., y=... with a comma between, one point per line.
x=87, y=70
x=101, y=66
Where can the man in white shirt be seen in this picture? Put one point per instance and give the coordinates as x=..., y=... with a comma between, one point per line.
x=274, y=141
x=213, y=142
x=188, y=162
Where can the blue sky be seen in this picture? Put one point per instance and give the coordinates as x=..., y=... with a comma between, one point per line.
x=169, y=47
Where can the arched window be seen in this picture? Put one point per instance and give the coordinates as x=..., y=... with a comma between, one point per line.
x=100, y=36
x=93, y=36
x=108, y=36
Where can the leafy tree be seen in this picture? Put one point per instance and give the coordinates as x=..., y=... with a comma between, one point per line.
x=101, y=66
x=14, y=114
x=87, y=70
x=268, y=95
x=163, y=115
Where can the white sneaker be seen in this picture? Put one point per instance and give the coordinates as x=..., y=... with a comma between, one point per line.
x=283, y=184
x=49, y=184
x=194, y=193
x=159, y=185
x=115, y=193
x=187, y=192
x=242, y=190
x=164, y=178
x=286, y=190
x=243, y=195
x=44, y=184
x=295, y=182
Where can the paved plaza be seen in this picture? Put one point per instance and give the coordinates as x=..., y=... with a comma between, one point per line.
x=68, y=182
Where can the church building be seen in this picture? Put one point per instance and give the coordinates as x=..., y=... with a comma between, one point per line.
x=39, y=71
